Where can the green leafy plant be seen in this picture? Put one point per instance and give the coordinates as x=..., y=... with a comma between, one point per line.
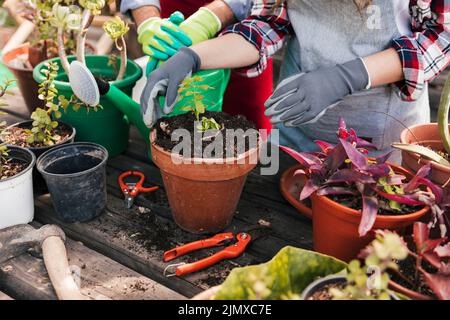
x=91, y=9
x=116, y=28
x=283, y=277
x=42, y=14
x=190, y=91
x=43, y=124
x=382, y=255
x=65, y=18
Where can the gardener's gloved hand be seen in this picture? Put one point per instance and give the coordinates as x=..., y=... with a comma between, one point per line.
x=305, y=97
x=165, y=81
x=161, y=38
x=199, y=27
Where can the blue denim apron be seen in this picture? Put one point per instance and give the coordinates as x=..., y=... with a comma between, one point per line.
x=330, y=32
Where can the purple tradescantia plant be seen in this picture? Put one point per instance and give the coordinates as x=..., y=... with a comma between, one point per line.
x=346, y=169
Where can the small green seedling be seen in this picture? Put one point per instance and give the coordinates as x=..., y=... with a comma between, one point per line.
x=190, y=89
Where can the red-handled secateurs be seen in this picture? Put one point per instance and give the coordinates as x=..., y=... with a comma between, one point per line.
x=132, y=189
x=236, y=245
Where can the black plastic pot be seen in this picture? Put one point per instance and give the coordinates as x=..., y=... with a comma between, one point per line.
x=322, y=282
x=39, y=185
x=76, y=178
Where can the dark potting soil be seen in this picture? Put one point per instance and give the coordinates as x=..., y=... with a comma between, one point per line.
x=166, y=126
x=324, y=292
x=355, y=202
x=18, y=137
x=11, y=168
x=75, y=164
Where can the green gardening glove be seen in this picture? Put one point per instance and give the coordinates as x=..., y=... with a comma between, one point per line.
x=199, y=27
x=161, y=38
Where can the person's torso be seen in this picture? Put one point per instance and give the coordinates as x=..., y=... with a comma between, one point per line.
x=330, y=32
x=187, y=7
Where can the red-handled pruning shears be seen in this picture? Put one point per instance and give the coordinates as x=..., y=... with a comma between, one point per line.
x=132, y=189
x=235, y=247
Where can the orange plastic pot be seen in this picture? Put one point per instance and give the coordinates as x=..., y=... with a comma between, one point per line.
x=24, y=76
x=203, y=194
x=335, y=226
x=290, y=187
x=426, y=135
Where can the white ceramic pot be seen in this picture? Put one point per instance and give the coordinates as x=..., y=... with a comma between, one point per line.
x=16, y=193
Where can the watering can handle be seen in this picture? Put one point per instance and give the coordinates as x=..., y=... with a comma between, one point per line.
x=176, y=18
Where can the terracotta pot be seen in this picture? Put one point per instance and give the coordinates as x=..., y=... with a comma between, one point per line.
x=427, y=135
x=24, y=76
x=335, y=226
x=203, y=195
x=290, y=186
x=407, y=292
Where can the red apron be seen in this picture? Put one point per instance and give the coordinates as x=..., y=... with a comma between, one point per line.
x=244, y=96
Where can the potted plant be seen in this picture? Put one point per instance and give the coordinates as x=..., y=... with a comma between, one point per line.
x=108, y=126
x=42, y=46
x=285, y=276
x=429, y=143
x=352, y=194
x=367, y=281
x=16, y=186
x=424, y=274
x=42, y=132
x=204, y=180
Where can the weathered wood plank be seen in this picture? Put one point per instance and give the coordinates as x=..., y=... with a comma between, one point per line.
x=25, y=277
x=251, y=209
x=137, y=238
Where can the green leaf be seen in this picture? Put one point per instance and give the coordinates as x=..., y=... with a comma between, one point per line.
x=285, y=276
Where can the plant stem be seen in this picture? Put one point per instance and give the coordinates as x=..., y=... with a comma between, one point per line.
x=86, y=21
x=123, y=58
x=444, y=106
x=62, y=51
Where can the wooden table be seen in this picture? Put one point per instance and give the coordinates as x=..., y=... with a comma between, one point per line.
x=119, y=254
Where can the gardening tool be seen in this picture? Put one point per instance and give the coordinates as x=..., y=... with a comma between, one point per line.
x=89, y=89
x=19, y=239
x=235, y=246
x=132, y=189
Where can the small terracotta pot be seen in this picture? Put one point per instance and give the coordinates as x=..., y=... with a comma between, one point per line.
x=290, y=186
x=428, y=136
x=203, y=195
x=335, y=226
x=24, y=76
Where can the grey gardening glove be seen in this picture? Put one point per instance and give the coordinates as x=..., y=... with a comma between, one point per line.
x=305, y=97
x=165, y=81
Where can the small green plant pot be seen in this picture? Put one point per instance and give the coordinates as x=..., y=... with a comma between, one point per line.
x=108, y=126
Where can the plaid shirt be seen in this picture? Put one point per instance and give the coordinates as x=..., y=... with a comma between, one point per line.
x=423, y=55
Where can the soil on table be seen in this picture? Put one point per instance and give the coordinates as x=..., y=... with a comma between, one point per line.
x=11, y=168
x=18, y=136
x=166, y=126
x=355, y=202
x=324, y=292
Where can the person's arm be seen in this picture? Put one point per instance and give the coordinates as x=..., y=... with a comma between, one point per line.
x=143, y=13
x=253, y=40
x=426, y=53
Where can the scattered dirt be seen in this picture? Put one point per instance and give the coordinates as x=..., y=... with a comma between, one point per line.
x=18, y=137
x=324, y=293
x=11, y=168
x=166, y=126
x=356, y=204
